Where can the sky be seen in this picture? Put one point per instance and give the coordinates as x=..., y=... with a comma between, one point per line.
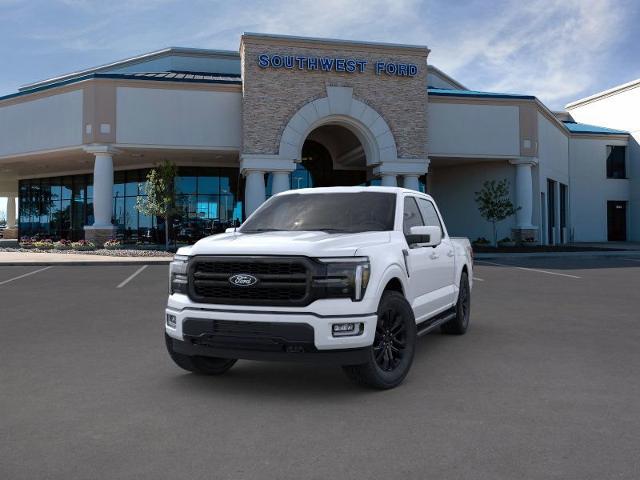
x=558, y=50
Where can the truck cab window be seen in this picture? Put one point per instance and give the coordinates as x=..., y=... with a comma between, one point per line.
x=411, y=216
x=429, y=214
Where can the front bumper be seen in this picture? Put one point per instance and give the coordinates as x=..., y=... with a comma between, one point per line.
x=263, y=331
x=352, y=356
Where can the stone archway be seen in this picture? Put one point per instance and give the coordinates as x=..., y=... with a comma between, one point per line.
x=340, y=108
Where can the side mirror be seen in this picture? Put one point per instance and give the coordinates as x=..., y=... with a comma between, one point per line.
x=422, y=236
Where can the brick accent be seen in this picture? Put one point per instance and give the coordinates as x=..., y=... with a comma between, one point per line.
x=10, y=233
x=98, y=235
x=272, y=96
x=524, y=234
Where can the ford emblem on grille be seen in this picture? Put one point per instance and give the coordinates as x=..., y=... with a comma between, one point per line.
x=243, y=280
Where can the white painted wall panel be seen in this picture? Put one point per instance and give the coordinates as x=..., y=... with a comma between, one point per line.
x=620, y=111
x=189, y=118
x=590, y=189
x=553, y=151
x=460, y=129
x=454, y=189
x=42, y=124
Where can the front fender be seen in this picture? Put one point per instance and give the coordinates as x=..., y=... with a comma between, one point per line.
x=393, y=271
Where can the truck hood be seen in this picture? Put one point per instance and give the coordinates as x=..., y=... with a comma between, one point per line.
x=311, y=244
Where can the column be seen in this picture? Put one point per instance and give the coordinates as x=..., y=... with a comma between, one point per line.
x=389, y=180
x=102, y=190
x=11, y=212
x=102, y=229
x=254, y=194
x=524, y=197
x=280, y=182
x=411, y=182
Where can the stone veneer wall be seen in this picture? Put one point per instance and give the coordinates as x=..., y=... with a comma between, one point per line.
x=271, y=96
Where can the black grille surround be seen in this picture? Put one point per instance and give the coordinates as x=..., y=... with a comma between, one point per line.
x=282, y=280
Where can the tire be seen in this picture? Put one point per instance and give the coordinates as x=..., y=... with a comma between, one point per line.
x=391, y=355
x=199, y=365
x=459, y=324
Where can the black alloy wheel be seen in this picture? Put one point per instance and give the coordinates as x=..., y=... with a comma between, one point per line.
x=390, y=343
x=391, y=354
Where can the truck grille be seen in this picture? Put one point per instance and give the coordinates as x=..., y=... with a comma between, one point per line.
x=279, y=280
x=261, y=336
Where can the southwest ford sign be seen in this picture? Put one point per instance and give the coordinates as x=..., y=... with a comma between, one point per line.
x=334, y=64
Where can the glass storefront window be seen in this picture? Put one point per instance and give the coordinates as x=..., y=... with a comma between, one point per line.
x=208, y=202
x=186, y=185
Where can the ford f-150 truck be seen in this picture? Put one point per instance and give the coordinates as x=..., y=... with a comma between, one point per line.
x=343, y=275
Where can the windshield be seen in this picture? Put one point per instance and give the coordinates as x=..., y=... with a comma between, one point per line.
x=329, y=212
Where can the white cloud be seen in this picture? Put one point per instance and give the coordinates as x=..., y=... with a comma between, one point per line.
x=553, y=49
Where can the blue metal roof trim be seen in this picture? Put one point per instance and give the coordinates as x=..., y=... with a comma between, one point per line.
x=227, y=79
x=445, y=92
x=575, y=127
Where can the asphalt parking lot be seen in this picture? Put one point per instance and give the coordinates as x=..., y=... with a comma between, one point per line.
x=544, y=385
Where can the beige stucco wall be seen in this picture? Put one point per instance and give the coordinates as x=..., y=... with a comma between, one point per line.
x=272, y=96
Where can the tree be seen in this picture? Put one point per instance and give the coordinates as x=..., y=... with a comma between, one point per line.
x=494, y=203
x=160, y=199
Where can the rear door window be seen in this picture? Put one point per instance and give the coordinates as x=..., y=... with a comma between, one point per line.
x=411, y=216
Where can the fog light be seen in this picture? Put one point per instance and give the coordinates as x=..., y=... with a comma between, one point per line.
x=346, y=329
x=171, y=321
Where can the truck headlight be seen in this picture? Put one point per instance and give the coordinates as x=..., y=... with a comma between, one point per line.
x=178, y=279
x=344, y=277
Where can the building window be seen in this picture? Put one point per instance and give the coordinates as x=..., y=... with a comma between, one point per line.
x=207, y=200
x=616, y=161
x=56, y=207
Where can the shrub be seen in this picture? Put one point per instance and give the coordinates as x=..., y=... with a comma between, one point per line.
x=112, y=244
x=43, y=244
x=481, y=241
x=505, y=240
x=62, y=244
x=26, y=242
x=83, y=245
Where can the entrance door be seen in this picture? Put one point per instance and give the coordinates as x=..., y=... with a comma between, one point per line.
x=617, y=221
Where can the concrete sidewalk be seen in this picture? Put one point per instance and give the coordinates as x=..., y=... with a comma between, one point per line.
x=36, y=259
x=592, y=253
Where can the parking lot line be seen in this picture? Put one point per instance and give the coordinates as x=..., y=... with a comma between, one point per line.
x=529, y=269
x=476, y=279
x=24, y=275
x=132, y=276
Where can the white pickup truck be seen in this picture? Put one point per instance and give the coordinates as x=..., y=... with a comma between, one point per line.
x=343, y=275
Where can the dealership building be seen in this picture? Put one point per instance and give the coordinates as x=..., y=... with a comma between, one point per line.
x=289, y=112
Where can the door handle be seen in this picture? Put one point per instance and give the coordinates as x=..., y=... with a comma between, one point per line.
x=450, y=253
x=433, y=256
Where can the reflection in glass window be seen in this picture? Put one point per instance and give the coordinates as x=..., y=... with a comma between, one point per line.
x=301, y=178
x=186, y=185
x=59, y=207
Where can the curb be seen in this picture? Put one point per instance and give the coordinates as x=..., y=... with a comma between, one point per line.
x=616, y=253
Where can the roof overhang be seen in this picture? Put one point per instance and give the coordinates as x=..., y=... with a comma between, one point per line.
x=145, y=57
x=605, y=93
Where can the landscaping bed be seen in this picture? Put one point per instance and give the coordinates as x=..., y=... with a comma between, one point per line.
x=121, y=252
x=111, y=248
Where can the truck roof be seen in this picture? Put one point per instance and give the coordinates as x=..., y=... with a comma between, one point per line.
x=395, y=190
